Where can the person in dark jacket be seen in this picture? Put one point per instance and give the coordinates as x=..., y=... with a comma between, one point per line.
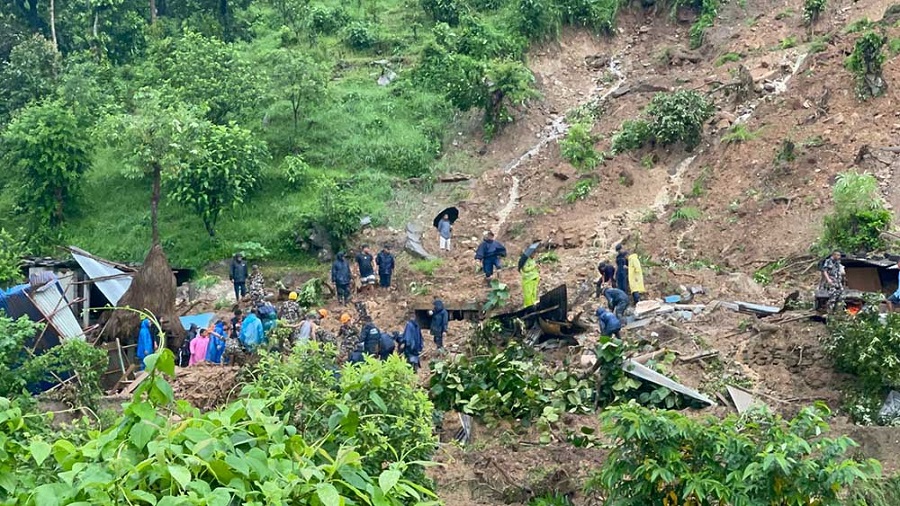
x=412, y=342
x=621, y=268
x=366, y=267
x=340, y=275
x=387, y=346
x=238, y=275
x=489, y=253
x=609, y=324
x=357, y=356
x=440, y=319
x=607, y=276
x=385, y=262
x=617, y=300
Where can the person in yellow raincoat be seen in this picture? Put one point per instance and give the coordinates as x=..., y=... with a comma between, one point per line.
x=531, y=277
x=635, y=277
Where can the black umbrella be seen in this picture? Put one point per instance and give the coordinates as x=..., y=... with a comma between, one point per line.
x=451, y=212
x=532, y=248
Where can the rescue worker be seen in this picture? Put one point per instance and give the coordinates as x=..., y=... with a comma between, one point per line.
x=216, y=347
x=252, y=334
x=364, y=264
x=445, y=229
x=199, y=347
x=490, y=252
x=386, y=348
x=531, y=277
x=617, y=300
x=412, y=342
x=145, y=345
x=440, y=320
x=238, y=276
x=833, y=272
x=607, y=276
x=340, y=276
x=257, y=286
x=347, y=335
x=385, y=262
x=610, y=325
x=621, y=268
x=290, y=310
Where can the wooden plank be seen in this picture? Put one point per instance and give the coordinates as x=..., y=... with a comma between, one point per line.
x=141, y=376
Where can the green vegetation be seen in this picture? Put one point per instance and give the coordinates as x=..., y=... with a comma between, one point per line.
x=859, y=215
x=788, y=42
x=684, y=214
x=663, y=457
x=581, y=190
x=860, y=25
x=672, y=118
x=548, y=257
x=427, y=267
x=866, y=65
x=497, y=297
x=11, y=252
x=866, y=347
x=727, y=58
x=764, y=274
x=894, y=46
x=739, y=133
x=577, y=147
x=812, y=9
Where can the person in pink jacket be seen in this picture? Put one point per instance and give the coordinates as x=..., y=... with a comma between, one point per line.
x=199, y=346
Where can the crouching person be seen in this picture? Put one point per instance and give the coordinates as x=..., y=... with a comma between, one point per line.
x=610, y=325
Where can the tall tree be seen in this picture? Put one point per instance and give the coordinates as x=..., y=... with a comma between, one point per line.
x=222, y=176
x=31, y=74
x=48, y=151
x=159, y=136
x=299, y=80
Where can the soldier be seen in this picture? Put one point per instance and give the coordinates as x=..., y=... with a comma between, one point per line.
x=834, y=279
x=257, y=288
x=290, y=310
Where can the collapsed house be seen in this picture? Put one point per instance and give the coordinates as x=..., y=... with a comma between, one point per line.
x=864, y=274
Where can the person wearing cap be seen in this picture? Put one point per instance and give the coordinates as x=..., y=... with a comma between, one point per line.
x=490, y=252
x=621, y=268
x=238, y=275
x=290, y=309
x=364, y=264
x=412, y=342
x=610, y=325
x=347, y=335
x=440, y=320
x=833, y=272
x=340, y=276
x=371, y=339
x=385, y=262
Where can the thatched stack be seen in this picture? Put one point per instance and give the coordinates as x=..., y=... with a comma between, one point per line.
x=152, y=290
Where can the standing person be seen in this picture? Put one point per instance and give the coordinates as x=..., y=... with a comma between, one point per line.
x=347, y=335
x=895, y=297
x=340, y=276
x=216, y=347
x=412, y=342
x=440, y=320
x=307, y=329
x=490, y=252
x=607, y=276
x=199, y=347
x=257, y=286
x=531, y=277
x=385, y=261
x=364, y=264
x=145, y=344
x=617, y=300
x=610, y=325
x=238, y=275
x=834, y=279
x=252, y=334
x=290, y=310
x=621, y=268
x=183, y=357
x=635, y=277
x=445, y=229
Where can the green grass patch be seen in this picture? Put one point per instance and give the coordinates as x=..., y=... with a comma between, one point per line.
x=860, y=25
x=739, y=133
x=788, y=42
x=727, y=58
x=427, y=267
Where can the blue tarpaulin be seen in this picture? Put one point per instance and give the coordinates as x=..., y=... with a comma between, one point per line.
x=200, y=320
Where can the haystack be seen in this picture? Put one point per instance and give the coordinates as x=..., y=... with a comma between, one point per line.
x=152, y=290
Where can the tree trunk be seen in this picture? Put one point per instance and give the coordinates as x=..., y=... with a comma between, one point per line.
x=154, y=203
x=210, y=227
x=152, y=11
x=53, y=25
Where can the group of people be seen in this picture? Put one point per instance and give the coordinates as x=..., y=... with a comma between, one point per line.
x=342, y=276
x=238, y=274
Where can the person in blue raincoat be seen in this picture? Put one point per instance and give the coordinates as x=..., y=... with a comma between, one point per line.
x=144, y=343
x=440, y=319
x=252, y=334
x=489, y=253
x=340, y=275
x=622, y=268
x=412, y=342
x=216, y=343
x=609, y=325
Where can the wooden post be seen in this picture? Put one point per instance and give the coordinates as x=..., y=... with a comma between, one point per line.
x=86, y=306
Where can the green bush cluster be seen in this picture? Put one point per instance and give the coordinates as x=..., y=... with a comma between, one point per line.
x=360, y=36
x=812, y=9
x=664, y=457
x=327, y=20
x=671, y=118
x=859, y=216
x=867, y=346
x=866, y=62
x=577, y=147
x=11, y=252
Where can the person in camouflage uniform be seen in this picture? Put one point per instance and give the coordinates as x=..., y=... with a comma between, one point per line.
x=348, y=336
x=290, y=310
x=257, y=287
x=833, y=272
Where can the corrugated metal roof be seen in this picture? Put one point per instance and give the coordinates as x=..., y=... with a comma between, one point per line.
x=15, y=302
x=113, y=289
x=51, y=302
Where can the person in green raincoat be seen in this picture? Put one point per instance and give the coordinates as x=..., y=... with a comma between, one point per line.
x=531, y=276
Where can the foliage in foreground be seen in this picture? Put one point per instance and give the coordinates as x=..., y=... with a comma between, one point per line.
x=374, y=406
x=666, y=458
x=859, y=215
x=163, y=452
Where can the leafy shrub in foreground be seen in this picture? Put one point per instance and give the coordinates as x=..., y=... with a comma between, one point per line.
x=663, y=457
x=360, y=36
x=864, y=346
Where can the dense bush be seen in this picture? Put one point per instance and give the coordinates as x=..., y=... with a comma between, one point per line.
x=866, y=64
x=296, y=171
x=812, y=9
x=632, y=135
x=577, y=147
x=663, y=457
x=360, y=36
x=327, y=20
x=443, y=11
x=678, y=117
x=598, y=15
x=867, y=347
x=11, y=252
x=538, y=19
x=859, y=215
